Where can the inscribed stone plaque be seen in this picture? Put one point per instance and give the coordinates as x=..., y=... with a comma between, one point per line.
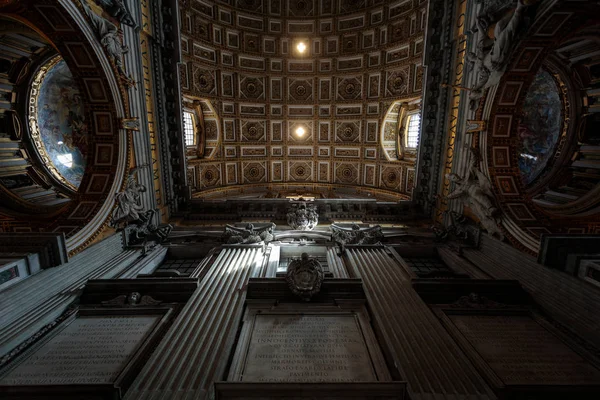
x=522, y=352
x=90, y=350
x=307, y=348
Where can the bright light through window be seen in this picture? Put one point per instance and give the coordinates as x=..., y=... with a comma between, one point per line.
x=412, y=132
x=188, y=128
x=66, y=159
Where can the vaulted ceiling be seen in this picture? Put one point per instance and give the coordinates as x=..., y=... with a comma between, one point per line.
x=359, y=75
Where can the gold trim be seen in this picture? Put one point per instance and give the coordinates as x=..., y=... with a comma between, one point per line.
x=461, y=50
x=34, y=129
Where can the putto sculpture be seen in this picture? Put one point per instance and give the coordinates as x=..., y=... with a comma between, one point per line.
x=475, y=190
x=249, y=234
x=303, y=217
x=305, y=277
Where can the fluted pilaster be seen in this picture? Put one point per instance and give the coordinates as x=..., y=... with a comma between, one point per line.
x=37, y=301
x=336, y=266
x=566, y=298
x=195, y=351
x=424, y=354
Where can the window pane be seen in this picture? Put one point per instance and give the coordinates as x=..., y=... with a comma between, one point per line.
x=412, y=136
x=188, y=128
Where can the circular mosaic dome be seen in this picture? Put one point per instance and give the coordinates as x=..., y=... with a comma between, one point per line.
x=57, y=122
x=540, y=126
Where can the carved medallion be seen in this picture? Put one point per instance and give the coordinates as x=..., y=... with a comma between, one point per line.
x=304, y=277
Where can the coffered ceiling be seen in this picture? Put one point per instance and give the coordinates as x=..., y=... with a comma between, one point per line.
x=362, y=60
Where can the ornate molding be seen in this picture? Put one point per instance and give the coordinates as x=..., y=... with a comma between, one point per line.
x=438, y=56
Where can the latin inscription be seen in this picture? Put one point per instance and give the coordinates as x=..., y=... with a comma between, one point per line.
x=307, y=348
x=522, y=352
x=91, y=350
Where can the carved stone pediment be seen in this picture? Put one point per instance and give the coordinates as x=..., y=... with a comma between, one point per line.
x=305, y=277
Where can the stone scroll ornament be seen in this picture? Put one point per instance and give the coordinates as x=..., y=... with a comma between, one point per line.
x=498, y=26
x=305, y=277
x=249, y=234
x=110, y=38
x=355, y=235
x=130, y=215
x=475, y=191
x=303, y=217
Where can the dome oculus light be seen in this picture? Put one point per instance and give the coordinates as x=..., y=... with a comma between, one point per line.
x=301, y=47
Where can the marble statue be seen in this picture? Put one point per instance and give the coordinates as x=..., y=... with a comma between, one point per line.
x=143, y=230
x=304, y=277
x=493, y=49
x=129, y=205
x=249, y=234
x=303, y=217
x=118, y=9
x=131, y=216
x=110, y=38
x=475, y=190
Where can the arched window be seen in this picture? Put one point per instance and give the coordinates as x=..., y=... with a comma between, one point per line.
x=188, y=128
x=412, y=131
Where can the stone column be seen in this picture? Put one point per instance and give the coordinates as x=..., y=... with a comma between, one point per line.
x=413, y=338
x=39, y=300
x=571, y=301
x=195, y=351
